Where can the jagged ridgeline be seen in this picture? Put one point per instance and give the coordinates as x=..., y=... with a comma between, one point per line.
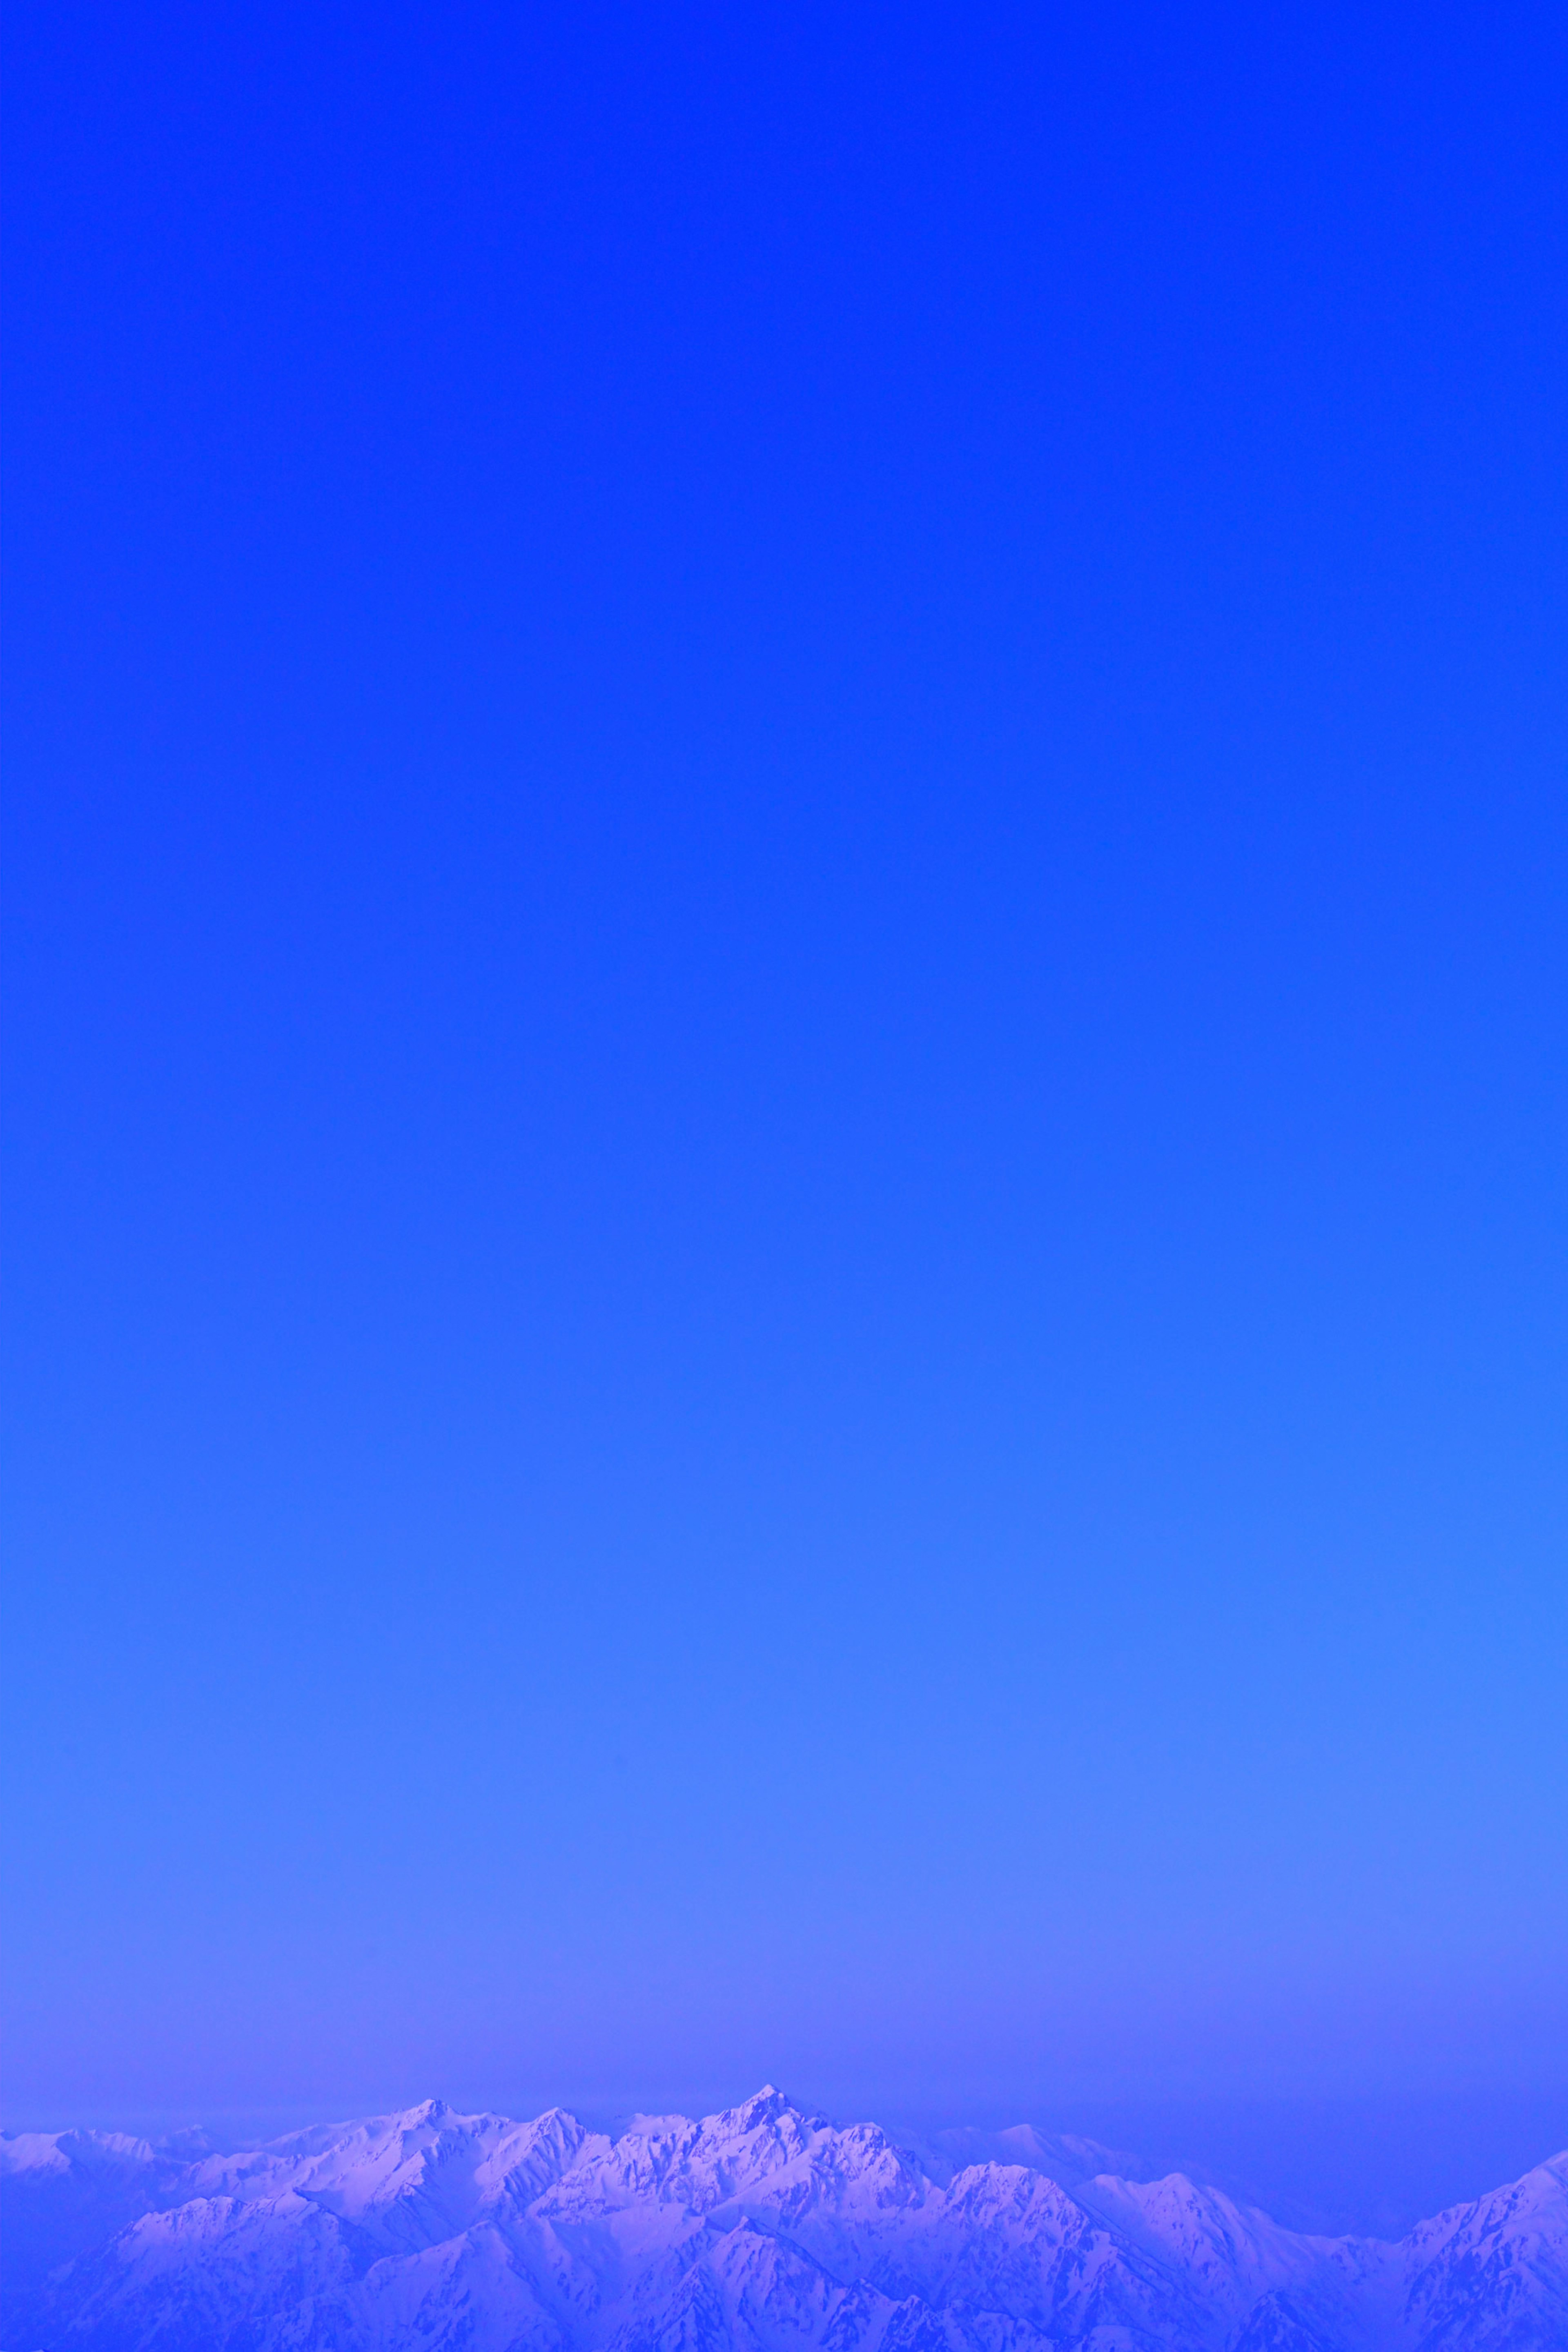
x=761, y=2230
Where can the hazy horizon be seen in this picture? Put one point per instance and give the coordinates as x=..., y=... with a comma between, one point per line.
x=1363, y=2164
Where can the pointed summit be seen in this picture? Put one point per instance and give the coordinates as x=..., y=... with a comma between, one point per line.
x=768, y=2106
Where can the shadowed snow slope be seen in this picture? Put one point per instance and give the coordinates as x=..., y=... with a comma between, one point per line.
x=761, y=2230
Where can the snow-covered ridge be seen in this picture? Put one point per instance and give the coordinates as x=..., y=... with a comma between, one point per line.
x=759, y=2229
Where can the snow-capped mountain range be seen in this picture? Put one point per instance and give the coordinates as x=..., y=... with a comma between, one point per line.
x=760, y=2230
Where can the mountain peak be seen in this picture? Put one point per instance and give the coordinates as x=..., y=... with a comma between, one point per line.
x=764, y=2103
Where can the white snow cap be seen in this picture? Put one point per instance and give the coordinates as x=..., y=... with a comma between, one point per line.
x=759, y=2228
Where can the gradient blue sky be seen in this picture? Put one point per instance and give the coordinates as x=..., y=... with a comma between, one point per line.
x=787, y=934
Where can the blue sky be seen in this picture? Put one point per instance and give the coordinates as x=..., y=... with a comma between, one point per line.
x=787, y=852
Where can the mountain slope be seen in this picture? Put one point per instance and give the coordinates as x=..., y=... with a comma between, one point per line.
x=759, y=2229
